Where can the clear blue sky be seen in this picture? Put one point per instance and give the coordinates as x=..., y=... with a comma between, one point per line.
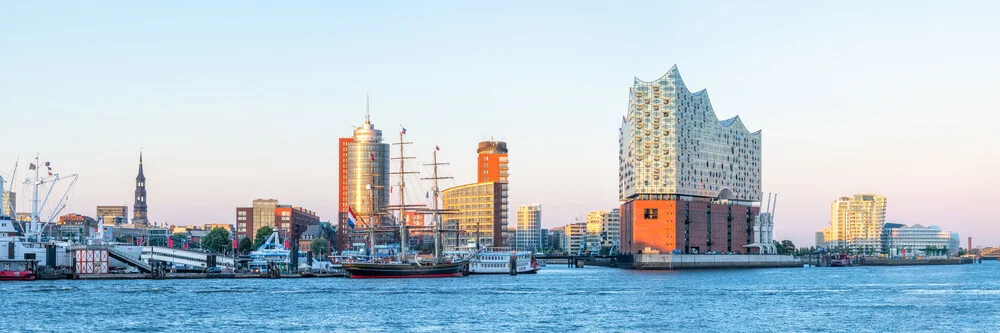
x=234, y=101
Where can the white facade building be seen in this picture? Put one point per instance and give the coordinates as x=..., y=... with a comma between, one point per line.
x=856, y=223
x=528, y=236
x=916, y=239
x=671, y=141
x=574, y=238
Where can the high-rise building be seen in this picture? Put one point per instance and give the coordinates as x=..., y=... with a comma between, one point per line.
x=289, y=221
x=139, y=208
x=689, y=181
x=528, y=236
x=342, y=196
x=367, y=161
x=9, y=202
x=856, y=223
x=492, y=162
x=480, y=213
x=112, y=215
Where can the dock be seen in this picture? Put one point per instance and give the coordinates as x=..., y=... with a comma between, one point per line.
x=705, y=261
x=170, y=276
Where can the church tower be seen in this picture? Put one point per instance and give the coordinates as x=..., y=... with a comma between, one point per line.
x=140, y=197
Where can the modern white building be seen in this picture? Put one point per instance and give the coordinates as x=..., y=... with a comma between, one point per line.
x=574, y=238
x=856, y=223
x=528, y=236
x=706, y=157
x=917, y=239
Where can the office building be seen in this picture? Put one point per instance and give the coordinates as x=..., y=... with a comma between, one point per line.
x=480, y=213
x=367, y=178
x=528, y=235
x=342, y=197
x=821, y=238
x=289, y=221
x=492, y=162
x=112, y=215
x=688, y=181
x=917, y=240
x=556, y=236
x=856, y=223
x=227, y=227
x=574, y=238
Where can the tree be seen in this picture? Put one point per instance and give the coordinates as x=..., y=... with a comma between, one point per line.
x=262, y=234
x=245, y=245
x=319, y=246
x=217, y=239
x=788, y=246
x=179, y=239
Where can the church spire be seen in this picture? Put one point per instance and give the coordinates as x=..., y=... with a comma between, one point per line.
x=139, y=208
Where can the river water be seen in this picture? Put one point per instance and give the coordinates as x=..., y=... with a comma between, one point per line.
x=558, y=299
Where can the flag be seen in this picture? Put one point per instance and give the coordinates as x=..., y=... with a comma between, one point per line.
x=236, y=244
x=31, y=166
x=288, y=244
x=50, y=174
x=428, y=194
x=403, y=131
x=436, y=147
x=390, y=189
x=170, y=242
x=372, y=156
x=352, y=219
x=46, y=163
x=185, y=245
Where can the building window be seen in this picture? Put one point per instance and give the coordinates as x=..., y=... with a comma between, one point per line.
x=650, y=213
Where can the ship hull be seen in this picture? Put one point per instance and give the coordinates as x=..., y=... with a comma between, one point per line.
x=16, y=276
x=374, y=271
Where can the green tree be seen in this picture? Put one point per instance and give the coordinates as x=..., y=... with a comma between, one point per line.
x=246, y=245
x=262, y=234
x=179, y=239
x=217, y=239
x=319, y=246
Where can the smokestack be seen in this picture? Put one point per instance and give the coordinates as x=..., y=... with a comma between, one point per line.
x=970, y=244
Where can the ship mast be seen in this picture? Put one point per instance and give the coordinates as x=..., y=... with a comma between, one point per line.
x=435, y=212
x=403, y=234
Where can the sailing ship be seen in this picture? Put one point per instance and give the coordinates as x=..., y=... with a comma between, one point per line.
x=403, y=266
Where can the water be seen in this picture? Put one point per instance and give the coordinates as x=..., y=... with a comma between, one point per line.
x=850, y=299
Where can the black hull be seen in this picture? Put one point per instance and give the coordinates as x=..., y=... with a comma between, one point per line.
x=367, y=270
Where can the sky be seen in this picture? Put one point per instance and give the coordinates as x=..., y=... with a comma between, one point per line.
x=234, y=100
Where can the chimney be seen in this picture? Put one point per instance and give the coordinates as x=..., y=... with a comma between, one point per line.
x=970, y=244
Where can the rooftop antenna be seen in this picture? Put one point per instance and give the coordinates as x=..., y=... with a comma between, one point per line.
x=368, y=113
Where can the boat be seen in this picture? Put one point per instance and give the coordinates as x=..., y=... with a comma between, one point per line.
x=17, y=275
x=22, y=251
x=503, y=261
x=843, y=260
x=403, y=266
x=273, y=256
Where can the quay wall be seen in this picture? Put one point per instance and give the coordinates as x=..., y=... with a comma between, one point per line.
x=705, y=261
x=909, y=262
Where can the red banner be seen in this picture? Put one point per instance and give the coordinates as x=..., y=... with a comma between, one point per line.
x=170, y=242
x=236, y=244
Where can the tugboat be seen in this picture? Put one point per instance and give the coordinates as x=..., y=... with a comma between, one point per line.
x=402, y=266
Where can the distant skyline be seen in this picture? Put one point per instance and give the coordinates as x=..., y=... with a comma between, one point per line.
x=234, y=101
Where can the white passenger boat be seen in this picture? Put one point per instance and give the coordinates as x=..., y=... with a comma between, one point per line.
x=494, y=260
